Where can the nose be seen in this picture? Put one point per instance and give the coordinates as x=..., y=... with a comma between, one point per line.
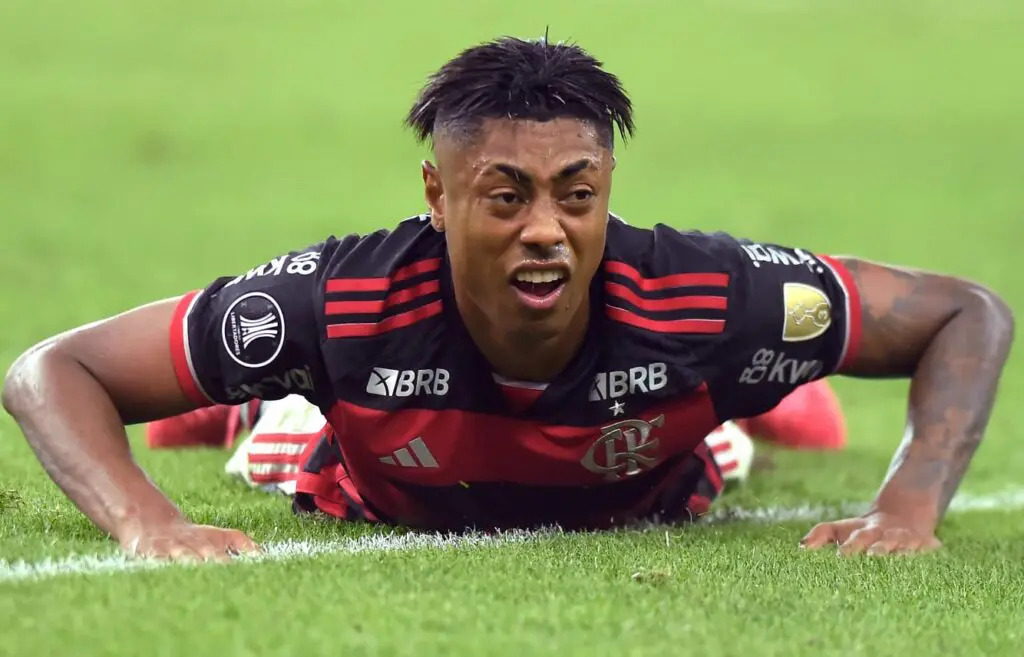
x=543, y=234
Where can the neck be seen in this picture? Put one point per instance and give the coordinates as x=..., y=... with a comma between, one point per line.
x=526, y=355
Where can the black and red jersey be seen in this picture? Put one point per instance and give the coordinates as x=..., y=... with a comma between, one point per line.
x=688, y=330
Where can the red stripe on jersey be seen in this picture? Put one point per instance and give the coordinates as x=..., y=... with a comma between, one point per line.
x=381, y=284
x=705, y=326
x=415, y=269
x=396, y=298
x=358, y=284
x=180, y=354
x=390, y=324
x=854, y=324
x=699, y=302
x=666, y=282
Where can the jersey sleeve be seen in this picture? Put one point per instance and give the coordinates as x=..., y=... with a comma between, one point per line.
x=254, y=336
x=793, y=317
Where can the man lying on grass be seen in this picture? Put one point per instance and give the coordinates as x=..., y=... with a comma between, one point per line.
x=519, y=356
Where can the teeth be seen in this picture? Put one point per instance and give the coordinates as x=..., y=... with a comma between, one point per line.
x=548, y=276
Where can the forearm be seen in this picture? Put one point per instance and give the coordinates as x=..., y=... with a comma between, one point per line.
x=78, y=436
x=952, y=393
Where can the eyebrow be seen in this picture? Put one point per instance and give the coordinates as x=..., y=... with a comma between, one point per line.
x=523, y=178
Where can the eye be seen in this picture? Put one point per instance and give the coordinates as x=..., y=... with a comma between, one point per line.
x=581, y=195
x=507, y=197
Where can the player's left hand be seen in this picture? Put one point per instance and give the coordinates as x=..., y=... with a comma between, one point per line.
x=874, y=533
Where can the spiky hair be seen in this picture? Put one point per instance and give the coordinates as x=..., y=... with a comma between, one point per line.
x=521, y=79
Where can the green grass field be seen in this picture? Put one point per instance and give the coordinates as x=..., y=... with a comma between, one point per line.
x=148, y=147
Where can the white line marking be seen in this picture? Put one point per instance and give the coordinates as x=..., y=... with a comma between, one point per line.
x=1006, y=501
x=15, y=571
x=277, y=551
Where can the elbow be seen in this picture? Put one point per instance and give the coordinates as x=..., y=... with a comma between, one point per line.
x=14, y=388
x=22, y=380
x=995, y=316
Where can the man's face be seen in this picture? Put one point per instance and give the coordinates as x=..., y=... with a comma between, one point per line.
x=524, y=206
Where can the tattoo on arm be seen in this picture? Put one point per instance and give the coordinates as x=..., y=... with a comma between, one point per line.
x=953, y=338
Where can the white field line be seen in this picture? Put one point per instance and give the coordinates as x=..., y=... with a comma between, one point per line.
x=276, y=551
x=14, y=571
x=1007, y=500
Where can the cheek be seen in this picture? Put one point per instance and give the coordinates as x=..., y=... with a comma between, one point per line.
x=476, y=249
x=588, y=242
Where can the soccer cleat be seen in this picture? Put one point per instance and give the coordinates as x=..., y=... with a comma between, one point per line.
x=269, y=458
x=811, y=417
x=213, y=426
x=733, y=451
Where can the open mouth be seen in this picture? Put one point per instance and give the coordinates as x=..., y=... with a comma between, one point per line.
x=539, y=288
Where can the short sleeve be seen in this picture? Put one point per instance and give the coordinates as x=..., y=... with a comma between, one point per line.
x=793, y=317
x=254, y=336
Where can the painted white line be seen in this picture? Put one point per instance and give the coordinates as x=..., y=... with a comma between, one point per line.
x=1007, y=500
x=277, y=551
x=15, y=571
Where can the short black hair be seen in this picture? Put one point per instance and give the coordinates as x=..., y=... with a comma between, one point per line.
x=521, y=79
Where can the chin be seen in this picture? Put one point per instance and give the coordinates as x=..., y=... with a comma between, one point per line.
x=542, y=326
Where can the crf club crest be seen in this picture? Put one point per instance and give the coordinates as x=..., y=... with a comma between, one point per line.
x=624, y=449
x=253, y=330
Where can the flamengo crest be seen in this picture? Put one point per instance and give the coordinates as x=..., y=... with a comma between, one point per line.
x=624, y=449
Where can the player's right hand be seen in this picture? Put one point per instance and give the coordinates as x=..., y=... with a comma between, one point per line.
x=180, y=540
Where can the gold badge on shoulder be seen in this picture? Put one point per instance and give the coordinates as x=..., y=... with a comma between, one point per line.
x=808, y=312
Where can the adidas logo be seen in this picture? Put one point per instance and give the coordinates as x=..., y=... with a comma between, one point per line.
x=418, y=457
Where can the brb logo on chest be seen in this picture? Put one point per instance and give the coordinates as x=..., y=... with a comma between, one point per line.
x=385, y=382
x=642, y=379
x=253, y=330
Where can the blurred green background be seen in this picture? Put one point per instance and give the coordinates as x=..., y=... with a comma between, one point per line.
x=148, y=147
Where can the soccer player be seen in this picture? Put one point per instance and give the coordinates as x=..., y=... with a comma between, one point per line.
x=518, y=355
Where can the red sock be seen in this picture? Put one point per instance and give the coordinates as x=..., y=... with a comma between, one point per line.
x=213, y=426
x=809, y=418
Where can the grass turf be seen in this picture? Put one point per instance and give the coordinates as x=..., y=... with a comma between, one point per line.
x=146, y=149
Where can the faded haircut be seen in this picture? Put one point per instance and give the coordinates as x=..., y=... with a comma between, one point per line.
x=521, y=79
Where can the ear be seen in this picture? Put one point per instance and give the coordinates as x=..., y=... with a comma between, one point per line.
x=434, y=193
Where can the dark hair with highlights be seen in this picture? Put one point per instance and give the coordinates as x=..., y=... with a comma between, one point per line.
x=521, y=79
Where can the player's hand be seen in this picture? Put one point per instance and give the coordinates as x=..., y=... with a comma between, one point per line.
x=875, y=533
x=180, y=540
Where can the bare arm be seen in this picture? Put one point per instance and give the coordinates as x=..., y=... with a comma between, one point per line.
x=953, y=338
x=72, y=395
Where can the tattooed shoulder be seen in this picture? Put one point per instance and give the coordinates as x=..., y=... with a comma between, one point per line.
x=901, y=311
